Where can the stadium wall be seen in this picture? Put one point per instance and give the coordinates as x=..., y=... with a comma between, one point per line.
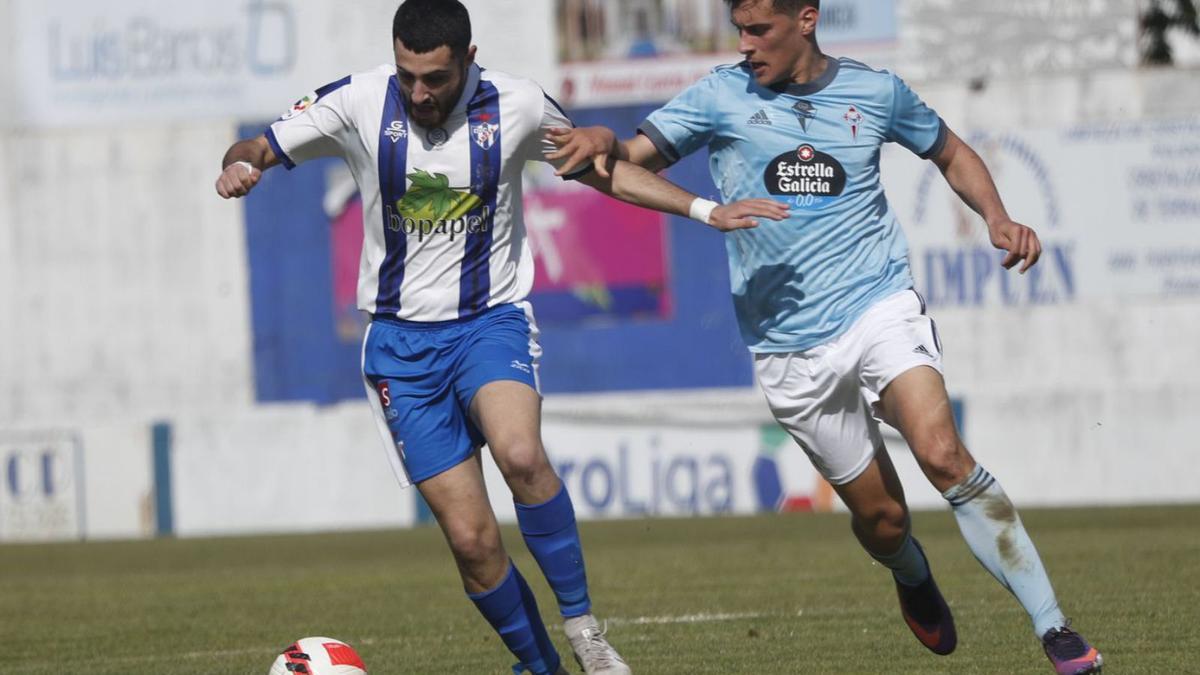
x=125, y=304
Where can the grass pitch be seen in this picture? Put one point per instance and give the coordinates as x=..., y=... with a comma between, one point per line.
x=770, y=594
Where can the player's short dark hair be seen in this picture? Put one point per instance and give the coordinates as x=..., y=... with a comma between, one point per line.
x=789, y=7
x=424, y=25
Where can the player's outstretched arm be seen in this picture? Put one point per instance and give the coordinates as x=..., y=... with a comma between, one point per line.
x=580, y=144
x=631, y=183
x=243, y=166
x=968, y=175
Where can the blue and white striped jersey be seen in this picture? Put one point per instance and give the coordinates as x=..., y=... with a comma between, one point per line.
x=444, y=234
x=802, y=282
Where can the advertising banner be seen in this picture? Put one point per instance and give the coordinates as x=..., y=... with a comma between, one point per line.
x=635, y=471
x=126, y=61
x=1116, y=205
x=40, y=489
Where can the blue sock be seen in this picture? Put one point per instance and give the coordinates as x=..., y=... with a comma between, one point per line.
x=908, y=564
x=996, y=536
x=512, y=611
x=553, y=539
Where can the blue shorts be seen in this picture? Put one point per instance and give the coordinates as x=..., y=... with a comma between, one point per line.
x=422, y=376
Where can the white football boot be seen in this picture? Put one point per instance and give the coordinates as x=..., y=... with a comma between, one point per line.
x=592, y=651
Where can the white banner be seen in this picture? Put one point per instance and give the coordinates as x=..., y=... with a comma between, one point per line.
x=1117, y=207
x=39, y=487
x=124, y=61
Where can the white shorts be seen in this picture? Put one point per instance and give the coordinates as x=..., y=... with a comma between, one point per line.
x=825, y=396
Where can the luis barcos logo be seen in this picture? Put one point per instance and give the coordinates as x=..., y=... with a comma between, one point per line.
x=134, y=42
x=808, y=175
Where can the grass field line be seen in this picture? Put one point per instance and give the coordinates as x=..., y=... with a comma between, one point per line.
x=701, y=617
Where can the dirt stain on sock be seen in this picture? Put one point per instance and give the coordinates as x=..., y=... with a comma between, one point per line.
x=1000, y=509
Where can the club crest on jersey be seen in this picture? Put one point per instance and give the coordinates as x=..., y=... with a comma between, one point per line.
x=855, y=119
x=485, y=134
x=804, y=112
x=396, y=130
x=811, y=178
x=300, y=106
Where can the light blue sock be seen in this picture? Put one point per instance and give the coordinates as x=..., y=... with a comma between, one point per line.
x=993, y=530
x=908, y=564
x=513, y=613
x=553, y=538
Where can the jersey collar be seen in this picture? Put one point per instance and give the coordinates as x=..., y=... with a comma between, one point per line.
x=468, y=91
x=812, y=87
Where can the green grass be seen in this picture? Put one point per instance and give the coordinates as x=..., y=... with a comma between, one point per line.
x=796, y=592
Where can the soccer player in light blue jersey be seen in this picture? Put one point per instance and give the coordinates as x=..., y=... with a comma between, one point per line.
x=825, y=299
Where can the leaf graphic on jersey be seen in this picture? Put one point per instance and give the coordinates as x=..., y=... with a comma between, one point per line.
x=430, y=198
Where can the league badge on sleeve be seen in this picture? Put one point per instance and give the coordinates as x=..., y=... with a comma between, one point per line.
x=300, y=106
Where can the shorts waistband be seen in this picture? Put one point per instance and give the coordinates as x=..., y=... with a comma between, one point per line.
x=435, y=325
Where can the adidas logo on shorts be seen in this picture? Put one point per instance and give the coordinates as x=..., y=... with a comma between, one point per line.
x=920, y=349
x=760, y=117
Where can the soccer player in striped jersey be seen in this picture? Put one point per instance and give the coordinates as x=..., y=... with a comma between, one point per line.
x=824, y=299
x=450, y=360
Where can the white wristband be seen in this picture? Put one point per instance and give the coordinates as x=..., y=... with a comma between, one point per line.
x=702, y=209
x=248, y=165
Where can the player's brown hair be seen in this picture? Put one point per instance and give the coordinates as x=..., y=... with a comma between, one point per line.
x=789, y=7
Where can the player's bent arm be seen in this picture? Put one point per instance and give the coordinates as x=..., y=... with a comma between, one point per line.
x=966, y=173
x=597, y=144
x=635, y=185
x=640, y=150
x=242, y=167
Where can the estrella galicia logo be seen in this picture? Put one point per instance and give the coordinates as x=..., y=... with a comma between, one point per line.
x=804, y=112
x=811, y=177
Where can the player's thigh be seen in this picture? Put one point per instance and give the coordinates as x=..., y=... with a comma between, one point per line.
x=898, y=337
x=819, y=403
x=409, y=377
x=508, y=414
x=495, y=379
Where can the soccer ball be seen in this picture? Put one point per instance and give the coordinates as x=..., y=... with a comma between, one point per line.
x=318, y=656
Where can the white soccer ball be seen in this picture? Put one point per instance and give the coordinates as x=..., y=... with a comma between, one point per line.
x=318, y=656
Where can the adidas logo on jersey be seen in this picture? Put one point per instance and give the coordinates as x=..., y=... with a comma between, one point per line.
x=760, y=117
x=920, y=349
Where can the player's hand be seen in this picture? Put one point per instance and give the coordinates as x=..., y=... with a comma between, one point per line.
x=237, y=181
x=1019, y=240
x=742, y=215
x=578, y=145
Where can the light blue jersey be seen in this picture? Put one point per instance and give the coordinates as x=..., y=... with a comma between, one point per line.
x=803, y=281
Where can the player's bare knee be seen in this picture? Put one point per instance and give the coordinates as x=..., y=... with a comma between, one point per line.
x=474, y=543
x=946, y=461
x=885, y=519
x=522, y=462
